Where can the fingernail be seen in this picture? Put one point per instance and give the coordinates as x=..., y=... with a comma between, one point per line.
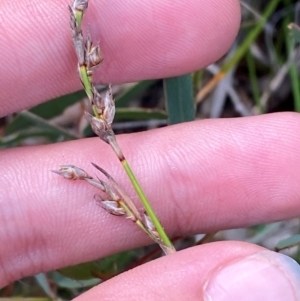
x=263, y=276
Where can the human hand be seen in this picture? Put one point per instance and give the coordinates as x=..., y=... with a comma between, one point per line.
x=200, y=176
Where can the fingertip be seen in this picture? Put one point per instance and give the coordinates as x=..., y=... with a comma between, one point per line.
x=169, y=39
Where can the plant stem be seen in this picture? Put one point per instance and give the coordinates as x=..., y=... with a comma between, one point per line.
x=164, y=237
x=89, y=57
x=137, y=187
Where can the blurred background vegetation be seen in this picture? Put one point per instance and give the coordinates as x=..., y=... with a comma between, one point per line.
x=259, y=75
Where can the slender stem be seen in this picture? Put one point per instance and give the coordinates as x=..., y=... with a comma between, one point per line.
x=79, y=15
x=137, y=187
x=86, y=81
x=164, y=237
x=89, y=56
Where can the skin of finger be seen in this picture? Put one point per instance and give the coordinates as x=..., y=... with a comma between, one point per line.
x=180, y=276
x=139, y=40
x=200, y=177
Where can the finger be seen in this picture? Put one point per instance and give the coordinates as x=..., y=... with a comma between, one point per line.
x=200, y=177
x=219, y=271
x=139, y=40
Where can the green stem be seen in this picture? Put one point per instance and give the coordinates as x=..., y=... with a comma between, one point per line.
x=86, y=82
x=164, y=237
x=88, y=86
x=79, y=15
x=161, y=232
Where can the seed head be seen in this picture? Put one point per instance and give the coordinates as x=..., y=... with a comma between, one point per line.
x=100, y=128
x=109, y=107
x=72, y=172
x=93, y=54
x=113, y=207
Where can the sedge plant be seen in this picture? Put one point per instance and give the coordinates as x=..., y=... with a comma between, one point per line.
x=115, y=200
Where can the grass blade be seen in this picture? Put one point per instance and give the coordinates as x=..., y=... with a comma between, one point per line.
x=179, y=98
x=240, y=52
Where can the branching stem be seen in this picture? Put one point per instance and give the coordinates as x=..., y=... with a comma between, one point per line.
x=89, y=57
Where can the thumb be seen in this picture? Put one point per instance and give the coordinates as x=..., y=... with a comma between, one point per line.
x=264, y=275
x=218, y=271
